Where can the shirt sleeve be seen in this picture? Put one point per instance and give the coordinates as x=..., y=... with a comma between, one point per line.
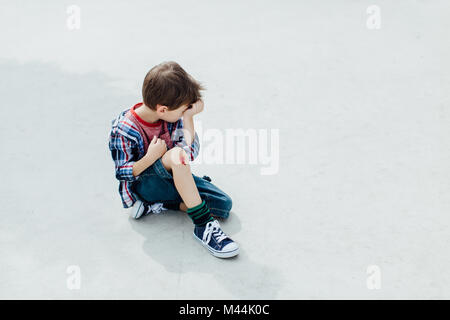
x=193, y=149
x=122, y=153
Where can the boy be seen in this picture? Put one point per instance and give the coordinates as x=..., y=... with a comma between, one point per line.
x=151, y=147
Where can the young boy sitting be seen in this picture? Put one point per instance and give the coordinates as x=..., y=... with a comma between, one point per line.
x=151, y=145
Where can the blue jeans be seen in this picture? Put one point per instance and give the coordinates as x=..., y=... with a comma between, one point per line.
x=155, y=184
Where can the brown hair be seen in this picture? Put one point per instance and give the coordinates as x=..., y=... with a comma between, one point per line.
x=168, y=84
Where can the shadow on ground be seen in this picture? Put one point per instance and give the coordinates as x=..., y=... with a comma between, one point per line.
x=56, y=142
x=169, y=241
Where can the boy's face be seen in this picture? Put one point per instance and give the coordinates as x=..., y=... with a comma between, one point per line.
x=171, y=115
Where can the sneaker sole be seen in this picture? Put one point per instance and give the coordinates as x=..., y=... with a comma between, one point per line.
x=135, y=213
x=218, y=254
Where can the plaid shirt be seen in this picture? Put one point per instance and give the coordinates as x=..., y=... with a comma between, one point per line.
x=127, y=146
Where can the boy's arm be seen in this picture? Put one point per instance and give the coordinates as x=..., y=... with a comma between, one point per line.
x=155, y=150
x=190, y=142
x=188, y=124
x=192, y=149
x=142, y=164
x=122, y=153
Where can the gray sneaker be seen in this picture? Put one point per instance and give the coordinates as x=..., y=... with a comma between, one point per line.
x=141, y=208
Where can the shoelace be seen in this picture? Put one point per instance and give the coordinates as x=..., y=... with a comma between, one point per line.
x=155, y=208
x=213, y=229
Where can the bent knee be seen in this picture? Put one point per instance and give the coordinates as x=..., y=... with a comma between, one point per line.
x=171, y=158
x=222, y=208
x=227, y=202
x=230, y=204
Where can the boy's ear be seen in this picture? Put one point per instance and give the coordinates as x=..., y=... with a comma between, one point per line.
x=161, y=108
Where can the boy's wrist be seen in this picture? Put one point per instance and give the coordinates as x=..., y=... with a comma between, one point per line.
x=150, y=158
x=189, y=126
x=188, y=116
x=146, y=161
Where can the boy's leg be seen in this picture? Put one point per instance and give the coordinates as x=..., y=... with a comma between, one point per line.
x=219, y=202
x=183, y=207
x=207, y=230
x=197, y=209
x=182, y=177
x=156, y=184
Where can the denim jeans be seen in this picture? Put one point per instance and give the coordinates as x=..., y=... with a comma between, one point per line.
x=155, y=184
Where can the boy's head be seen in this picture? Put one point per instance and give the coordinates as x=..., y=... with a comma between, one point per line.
x=169, y=90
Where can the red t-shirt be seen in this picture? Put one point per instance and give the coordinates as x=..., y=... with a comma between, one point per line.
x=148, y=130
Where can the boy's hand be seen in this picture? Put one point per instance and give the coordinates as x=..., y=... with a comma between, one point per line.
x=195, y=108
x=157, y=148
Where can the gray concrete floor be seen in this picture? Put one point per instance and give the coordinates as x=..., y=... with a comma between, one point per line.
x=363, y=117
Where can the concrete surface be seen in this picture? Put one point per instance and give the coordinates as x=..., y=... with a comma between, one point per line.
x=358, y=209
